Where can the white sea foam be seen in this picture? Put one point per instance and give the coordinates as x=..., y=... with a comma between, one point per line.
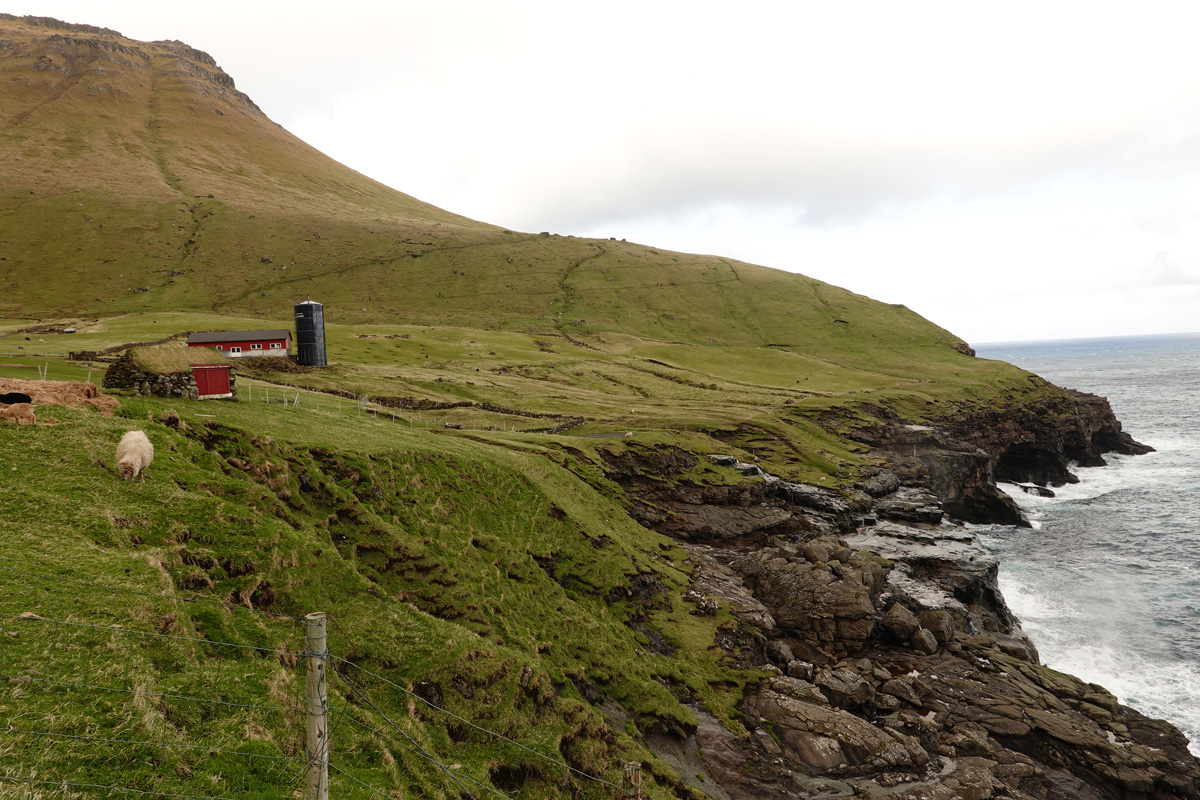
x=1031, y=607
x=1101, y=650
x=1107, y=582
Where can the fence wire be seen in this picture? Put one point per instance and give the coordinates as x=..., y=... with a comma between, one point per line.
x=176, y=598
x=113, y=788
x=134, y=631
x=90, y=734
x=479, y=728
x=415, y=744
x=296, y=765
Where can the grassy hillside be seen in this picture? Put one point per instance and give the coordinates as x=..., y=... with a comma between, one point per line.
x=140, y=180
x=772, y=401
x=491, y=570
x=487, y=574
x=483, y=567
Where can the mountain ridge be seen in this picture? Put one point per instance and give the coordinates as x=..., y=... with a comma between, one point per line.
x=170, y=190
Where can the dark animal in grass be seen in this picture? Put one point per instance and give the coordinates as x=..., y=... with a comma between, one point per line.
x=134, y=454
x=171, y=419
x=13, y=398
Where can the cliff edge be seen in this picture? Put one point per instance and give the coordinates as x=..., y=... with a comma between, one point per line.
x=895, y=668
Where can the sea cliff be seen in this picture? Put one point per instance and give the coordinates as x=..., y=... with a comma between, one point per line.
x=895, y=666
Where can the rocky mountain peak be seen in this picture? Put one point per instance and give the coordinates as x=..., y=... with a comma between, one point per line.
x=50, y=22
x=78, y=50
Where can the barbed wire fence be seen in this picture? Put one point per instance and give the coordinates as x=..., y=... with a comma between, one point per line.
x=309, y=399
x=91, y=686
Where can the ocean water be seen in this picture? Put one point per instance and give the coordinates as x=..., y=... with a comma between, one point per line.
x=1107, y=582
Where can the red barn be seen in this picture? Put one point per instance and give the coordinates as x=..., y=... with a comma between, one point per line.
x=238, y=344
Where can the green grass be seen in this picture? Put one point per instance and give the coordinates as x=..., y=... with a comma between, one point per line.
x=774, y=402
x=439, y=537
x=486, y=565
x=490, y=562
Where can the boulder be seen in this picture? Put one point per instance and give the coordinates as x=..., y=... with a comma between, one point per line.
x=906, y=688
x=800, y=669
x=900, y=623
x=780, y=653
x=883, y=483
x=924, y=642
x=939, y=622
x=845, y=688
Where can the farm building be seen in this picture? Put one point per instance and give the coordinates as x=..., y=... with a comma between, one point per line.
x=189, y=372
x=238, y=344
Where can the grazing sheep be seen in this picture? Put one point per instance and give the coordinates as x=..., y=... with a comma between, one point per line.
x=19, y=413
x=12, y=398
x=134, y=454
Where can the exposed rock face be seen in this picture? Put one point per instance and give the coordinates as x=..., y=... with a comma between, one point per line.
x=957, y=473
x=50, y=22
x=910, y=505
x=961, y=460
x=1035, y=444
x=944, y=699
x=710, y=578
x=970, y=721
x=829, y=741
x=897, y=669
x=826, y=594
x=944, y=572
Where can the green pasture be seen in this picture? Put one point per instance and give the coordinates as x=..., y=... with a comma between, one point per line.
x=422, y=546
x=761, y=401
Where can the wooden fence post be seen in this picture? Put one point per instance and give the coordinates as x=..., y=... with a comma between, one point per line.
x=633, y=780
x=317, y=707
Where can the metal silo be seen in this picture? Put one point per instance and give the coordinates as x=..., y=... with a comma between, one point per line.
x=310, y=334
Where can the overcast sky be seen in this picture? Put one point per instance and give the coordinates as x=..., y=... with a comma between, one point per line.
x=1008, y=170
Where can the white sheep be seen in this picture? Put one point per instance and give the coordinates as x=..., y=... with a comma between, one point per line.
x=134, y=454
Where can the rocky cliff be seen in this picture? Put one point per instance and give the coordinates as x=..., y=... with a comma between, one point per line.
x=895, y=668
x=962, y=455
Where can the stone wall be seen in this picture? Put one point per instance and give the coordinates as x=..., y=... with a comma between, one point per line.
x=125, y=374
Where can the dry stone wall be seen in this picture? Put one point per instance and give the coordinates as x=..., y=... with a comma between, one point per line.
x=125, y=374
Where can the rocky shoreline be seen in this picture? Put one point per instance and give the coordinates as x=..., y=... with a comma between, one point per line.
x=897, y=668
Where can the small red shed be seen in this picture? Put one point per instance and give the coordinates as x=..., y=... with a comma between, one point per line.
x=239, y=344
x=212, y=380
